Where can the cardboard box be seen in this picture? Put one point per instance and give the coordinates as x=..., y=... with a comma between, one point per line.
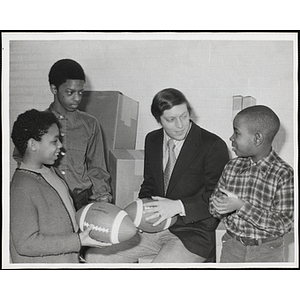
x=117, y=115
x=240, y=102
x=126, y=168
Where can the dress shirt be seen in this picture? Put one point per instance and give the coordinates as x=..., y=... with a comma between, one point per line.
x=177, y=149
x=267, y=189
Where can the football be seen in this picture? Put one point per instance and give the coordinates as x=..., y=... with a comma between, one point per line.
x=138, y=214
x=110, y=223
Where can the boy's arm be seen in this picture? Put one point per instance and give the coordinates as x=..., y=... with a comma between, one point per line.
x=96, y=166
x=214, y=195
x=277, y=219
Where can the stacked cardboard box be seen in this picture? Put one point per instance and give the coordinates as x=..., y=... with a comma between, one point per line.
x=126, y=168
x=117, y=115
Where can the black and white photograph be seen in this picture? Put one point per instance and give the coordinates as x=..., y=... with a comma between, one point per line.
x=150, y=150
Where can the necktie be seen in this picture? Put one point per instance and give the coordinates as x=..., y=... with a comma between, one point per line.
x=170, y=164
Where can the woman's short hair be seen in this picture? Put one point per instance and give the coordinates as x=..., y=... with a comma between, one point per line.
x=166, y=99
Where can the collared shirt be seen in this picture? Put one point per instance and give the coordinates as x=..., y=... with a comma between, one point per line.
x=177, y=149
x=267, y=189
x=82, y=162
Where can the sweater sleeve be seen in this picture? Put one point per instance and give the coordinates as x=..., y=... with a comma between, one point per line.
x=25, y=228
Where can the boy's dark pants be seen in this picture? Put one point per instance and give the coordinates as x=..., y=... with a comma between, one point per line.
x=234, y=251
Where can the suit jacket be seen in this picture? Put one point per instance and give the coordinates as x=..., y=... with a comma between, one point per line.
x=195, y=174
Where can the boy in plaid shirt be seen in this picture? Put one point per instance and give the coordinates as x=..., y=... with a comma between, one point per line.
x=255, y=193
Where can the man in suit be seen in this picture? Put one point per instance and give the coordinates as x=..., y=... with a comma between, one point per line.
x=183, y=163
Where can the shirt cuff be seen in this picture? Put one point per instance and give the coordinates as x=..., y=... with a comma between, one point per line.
x=182, y=212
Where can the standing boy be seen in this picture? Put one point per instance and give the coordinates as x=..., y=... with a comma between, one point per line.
x=198, y=158
x=43, y=228
x=255, y=194
x=82, y=161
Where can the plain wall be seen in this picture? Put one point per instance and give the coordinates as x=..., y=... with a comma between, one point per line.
x=208, y=71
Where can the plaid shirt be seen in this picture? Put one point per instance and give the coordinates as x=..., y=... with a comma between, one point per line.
x=267, y=188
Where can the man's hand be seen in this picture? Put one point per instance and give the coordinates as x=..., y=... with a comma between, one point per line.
x=162, y=208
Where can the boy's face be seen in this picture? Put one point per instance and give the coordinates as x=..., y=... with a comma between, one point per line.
x=242, y=139
x=48, y=148
x=176, y=121
x=69, y=94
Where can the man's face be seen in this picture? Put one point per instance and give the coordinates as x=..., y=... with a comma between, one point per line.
x=69, y=94
x=176, y=121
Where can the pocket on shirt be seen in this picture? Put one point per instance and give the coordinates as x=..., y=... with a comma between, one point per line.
x=77, y=158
